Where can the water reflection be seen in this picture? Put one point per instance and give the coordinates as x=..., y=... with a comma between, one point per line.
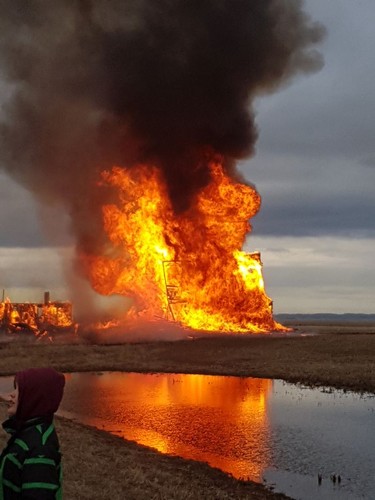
x=214, y=419
x=252, y=428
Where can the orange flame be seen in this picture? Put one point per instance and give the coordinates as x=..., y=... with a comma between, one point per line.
x=56, y=314
x=33, y=317
x=186, y=267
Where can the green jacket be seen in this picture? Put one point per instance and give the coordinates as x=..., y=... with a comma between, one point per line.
x=30, y=464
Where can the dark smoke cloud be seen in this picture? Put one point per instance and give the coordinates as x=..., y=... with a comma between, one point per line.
x=100, y=82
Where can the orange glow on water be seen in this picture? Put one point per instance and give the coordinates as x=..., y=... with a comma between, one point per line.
x=205, y=418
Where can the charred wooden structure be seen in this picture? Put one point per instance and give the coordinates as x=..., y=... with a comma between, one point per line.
x=48, y=316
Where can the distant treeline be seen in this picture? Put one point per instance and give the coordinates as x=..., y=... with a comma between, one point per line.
x=326, y=317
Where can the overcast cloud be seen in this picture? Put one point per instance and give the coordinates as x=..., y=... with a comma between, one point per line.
x=314, y=165
x=314, y=168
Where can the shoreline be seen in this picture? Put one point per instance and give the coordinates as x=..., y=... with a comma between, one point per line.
x=317, y=355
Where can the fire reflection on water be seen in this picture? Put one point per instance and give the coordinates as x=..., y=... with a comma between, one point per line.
x=218, y=420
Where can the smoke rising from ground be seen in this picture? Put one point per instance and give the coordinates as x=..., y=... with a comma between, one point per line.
x=93, y=83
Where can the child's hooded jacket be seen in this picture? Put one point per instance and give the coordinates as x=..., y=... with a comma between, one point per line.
x=30, y=465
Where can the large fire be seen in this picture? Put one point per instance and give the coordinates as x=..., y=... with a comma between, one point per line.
x=185, y=267
x=165, y=85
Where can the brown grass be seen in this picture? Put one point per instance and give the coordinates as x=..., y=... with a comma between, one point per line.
x=340, y=360
x=100, y=466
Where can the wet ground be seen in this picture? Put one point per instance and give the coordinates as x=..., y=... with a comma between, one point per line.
x=307, y=443
x=261, y=429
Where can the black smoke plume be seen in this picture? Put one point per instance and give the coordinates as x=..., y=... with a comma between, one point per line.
x=93, y=83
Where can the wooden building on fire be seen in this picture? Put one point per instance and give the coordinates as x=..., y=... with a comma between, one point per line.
x=47, y=316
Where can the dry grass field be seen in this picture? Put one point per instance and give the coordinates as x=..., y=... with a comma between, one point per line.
x=336, y=356
x=99, y=466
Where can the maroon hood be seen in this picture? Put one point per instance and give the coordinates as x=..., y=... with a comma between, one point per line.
x=40, y=391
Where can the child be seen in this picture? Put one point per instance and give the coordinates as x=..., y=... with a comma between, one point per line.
x=30, y=464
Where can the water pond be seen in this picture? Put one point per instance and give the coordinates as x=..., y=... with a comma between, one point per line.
x=265, y=430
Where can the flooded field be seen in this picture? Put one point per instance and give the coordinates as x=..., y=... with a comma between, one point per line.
x=261, y=429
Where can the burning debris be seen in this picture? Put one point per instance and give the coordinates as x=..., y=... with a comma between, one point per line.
x=132, y=115
x=37, y=318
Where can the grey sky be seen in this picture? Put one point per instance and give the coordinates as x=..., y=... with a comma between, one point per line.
x=315, y=164
x=314, y=168
x=19, y=222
